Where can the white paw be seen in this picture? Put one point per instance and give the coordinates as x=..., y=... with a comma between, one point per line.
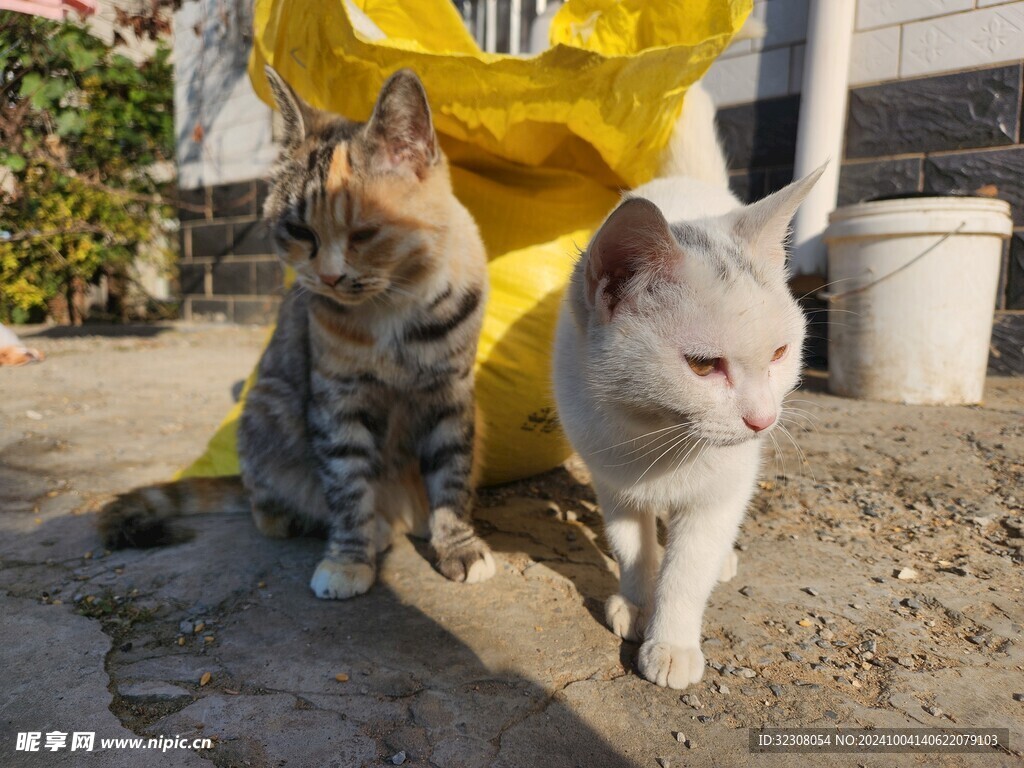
x=730, y=566
x=481, y=570
x=470, y=564
x=670, y=665
x=624, y=618
x=339, y=581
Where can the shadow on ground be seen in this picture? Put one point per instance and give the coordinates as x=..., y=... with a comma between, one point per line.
x=138, y=331
x=452, y=675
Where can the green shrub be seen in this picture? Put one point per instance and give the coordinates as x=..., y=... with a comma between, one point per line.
x=80, y=128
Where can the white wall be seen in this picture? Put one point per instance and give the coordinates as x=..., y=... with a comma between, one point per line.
x=893, y=39
x=223, y=130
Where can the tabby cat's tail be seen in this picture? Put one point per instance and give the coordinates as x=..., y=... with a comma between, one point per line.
x=144, y=517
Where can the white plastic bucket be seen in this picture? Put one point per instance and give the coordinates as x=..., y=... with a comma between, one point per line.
x=912, y=289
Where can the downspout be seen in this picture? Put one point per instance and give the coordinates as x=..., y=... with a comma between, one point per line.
x=822, y=126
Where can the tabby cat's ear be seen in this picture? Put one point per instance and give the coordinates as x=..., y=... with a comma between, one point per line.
x=765, y=224
x=635, y=238
x=401, y=125
x=297, y=114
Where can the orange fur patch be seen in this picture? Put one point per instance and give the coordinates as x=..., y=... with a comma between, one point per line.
x=340, y=169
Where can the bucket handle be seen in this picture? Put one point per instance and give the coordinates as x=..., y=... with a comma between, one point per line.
x=830, y=297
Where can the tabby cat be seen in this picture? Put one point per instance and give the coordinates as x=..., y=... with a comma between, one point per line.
x=362, y=418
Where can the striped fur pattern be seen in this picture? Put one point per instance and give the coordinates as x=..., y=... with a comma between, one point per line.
x=362, y=420
x=363, y=415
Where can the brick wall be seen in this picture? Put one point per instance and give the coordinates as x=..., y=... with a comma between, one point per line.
x=228, y=270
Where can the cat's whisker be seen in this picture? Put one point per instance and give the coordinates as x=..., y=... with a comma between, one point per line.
x=640, y=437
x=800, y=452
x=780, y=457
x=650, y=466
x=685, y=456
x=800, y=422
x=702, y=443
x=826, y=285
x=661, y=441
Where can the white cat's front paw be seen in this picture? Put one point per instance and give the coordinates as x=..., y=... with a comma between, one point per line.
x=670, y=665
x=730, y=566
x=334, y=580
x=624, y=618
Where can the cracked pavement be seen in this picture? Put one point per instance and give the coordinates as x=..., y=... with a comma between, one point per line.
x=219, y=637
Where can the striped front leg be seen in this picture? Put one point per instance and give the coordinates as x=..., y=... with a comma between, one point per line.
x=346, y=435
x=446, y=463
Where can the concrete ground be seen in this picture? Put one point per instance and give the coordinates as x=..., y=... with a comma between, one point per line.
x=221, y=638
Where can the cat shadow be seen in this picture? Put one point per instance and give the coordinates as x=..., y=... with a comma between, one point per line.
x=428, y=667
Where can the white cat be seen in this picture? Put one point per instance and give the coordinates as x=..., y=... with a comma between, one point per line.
x=677, y=341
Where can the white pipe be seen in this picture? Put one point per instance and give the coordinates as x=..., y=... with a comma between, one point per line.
x=822, y=124
x=491, y=26
x=515, y=22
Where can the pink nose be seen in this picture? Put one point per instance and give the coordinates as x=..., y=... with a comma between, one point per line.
x=331, y=280
x=758, y=423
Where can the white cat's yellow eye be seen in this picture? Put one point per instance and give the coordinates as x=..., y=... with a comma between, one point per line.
x=780, y=352
x=702, y=366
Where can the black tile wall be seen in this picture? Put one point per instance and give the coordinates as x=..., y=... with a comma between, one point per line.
x=192, y=278
x=210, y=240
x=776, y=178
x=233, y=278
x=251, y=238
x=1015, y=273
x=968, y=172
x=760, y=134
x=228, y=265
x=959, y=111
x=748, y=186
x=752, y=185
x=234, y=199
x=862, y=181
x=194, y=204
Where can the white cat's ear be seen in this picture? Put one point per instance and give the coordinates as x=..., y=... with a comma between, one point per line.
x=402, y=126
x=636, y=237
x=764, y=225
x=297, y=114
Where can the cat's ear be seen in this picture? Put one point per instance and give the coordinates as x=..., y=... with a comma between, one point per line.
x=635, y=238
x=765, y=224
x=401, y=126
x=297, y=114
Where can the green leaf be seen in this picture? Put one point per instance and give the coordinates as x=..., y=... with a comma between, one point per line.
x=51, y=92
x=30, y=84
x=14, y=162
x=70, y=123
x=81, y=58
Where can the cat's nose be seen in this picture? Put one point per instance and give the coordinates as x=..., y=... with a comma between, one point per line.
x=759, y=423
x=331, y=280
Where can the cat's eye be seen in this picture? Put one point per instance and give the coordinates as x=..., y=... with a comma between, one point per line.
x=362, y=235
x=703, y=366
x=297, y=231
x=780, y=352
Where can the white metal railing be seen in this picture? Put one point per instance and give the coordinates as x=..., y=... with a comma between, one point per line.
x=505, y=26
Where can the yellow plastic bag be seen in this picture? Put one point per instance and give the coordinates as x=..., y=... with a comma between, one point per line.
x=540, y=150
